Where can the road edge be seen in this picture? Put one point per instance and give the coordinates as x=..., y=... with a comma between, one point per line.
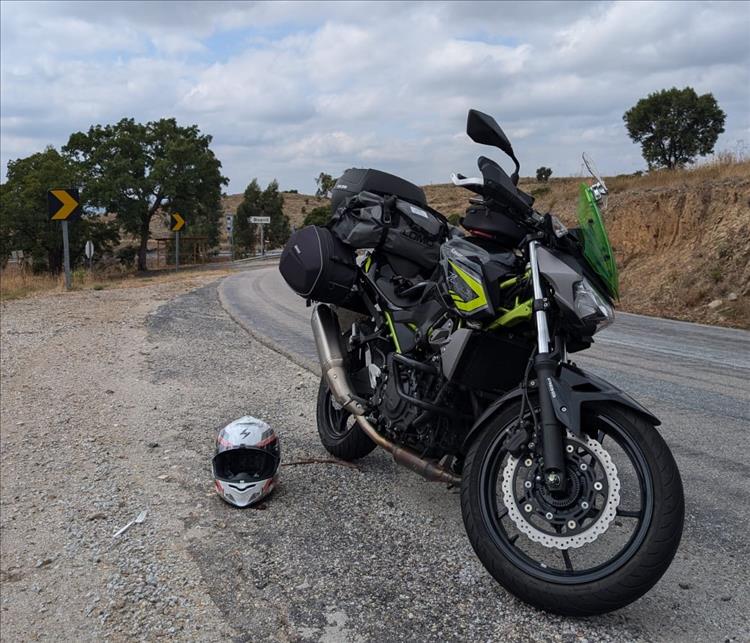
x=308, y=365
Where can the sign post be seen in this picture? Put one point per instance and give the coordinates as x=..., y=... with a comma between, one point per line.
x=230, y=230
x=64, y=204
x=176, y=223
x=261, y=221
x=90, y=254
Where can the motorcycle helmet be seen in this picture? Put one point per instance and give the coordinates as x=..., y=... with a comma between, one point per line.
x=246, y=461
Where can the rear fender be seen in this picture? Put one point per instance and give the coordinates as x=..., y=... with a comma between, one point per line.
x=571, y=390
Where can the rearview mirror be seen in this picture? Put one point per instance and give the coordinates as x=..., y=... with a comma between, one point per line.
x=483, y=129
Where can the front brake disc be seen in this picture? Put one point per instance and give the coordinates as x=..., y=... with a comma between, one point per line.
x=520, y=515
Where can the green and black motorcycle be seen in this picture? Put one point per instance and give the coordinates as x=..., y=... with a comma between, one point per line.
x=450, y=348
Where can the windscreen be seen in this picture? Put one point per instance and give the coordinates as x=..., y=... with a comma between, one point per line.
x=596, y=246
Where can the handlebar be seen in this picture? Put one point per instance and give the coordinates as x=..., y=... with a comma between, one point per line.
x=464, y=182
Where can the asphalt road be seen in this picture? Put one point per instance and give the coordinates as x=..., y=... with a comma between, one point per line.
x=695, y=378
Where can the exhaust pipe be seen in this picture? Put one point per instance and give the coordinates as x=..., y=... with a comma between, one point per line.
x=327, y=333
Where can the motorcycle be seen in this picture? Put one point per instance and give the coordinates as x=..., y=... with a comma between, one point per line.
x=455, y=357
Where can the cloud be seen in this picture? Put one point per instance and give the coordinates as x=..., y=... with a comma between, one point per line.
x=292, y=89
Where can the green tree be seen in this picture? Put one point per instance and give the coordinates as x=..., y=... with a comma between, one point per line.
x=244, y=231
x=273, y=206
x=137, y=170
x=261, y=203
x=318, y=216
x=543, y=173
x=325, y=183
x=24, y=220
x=674, y=126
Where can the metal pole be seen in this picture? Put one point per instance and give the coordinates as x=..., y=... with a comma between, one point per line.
x=541, y=316
x=262, y=242
x=177, y=250
x=231, y=242
x=66, y=254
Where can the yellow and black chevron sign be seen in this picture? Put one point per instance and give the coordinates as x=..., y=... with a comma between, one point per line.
x=64, y=204
x=176, y=222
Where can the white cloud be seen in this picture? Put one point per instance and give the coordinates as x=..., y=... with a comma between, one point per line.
x=290, y=89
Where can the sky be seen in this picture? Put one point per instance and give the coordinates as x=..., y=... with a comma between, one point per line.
x=288, y=89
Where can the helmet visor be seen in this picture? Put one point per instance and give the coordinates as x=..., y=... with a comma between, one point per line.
x=244, y=465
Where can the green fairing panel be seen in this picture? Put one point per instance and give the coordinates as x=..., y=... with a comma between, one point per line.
x=596, y=247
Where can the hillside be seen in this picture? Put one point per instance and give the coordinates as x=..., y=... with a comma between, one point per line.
x=682, y=239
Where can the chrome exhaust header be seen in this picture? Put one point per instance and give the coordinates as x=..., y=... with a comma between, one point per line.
x=327, y=333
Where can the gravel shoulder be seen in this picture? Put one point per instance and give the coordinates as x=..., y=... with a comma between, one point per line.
x=108, y=407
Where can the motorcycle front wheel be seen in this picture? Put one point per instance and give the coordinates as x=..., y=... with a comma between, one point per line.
x=595, y=546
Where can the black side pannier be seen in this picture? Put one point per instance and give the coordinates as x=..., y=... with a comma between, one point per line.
x=318, y=266
x=398, y=227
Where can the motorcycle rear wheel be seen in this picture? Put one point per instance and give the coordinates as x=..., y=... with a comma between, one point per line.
x=506, y=525
x=339, y=432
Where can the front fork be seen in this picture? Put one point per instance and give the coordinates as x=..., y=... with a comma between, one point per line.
x=545, y=365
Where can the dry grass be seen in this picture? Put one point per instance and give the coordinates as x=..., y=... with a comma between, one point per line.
x=725, y=165
x=16, y=283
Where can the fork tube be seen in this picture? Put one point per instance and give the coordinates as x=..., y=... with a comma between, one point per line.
x=541, y=317
x=545, y=366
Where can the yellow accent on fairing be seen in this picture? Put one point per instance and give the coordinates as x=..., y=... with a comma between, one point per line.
x=514, y=280
x=520, y=313
x=476, y=287
x=368, y=261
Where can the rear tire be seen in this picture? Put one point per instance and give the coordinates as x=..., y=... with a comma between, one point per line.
x=635, y=575
x=339, y=433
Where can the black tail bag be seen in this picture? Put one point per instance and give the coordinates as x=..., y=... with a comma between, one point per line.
x=318, y=266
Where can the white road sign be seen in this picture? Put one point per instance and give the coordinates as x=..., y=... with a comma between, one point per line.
x=260, y=219
x=89, y=250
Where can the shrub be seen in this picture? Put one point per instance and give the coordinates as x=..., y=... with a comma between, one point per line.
x=543, y=173
x=127, y=255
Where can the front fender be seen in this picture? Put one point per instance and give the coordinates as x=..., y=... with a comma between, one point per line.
x=572, y=389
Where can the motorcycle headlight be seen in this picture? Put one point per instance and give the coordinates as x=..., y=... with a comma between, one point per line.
x=592, y=307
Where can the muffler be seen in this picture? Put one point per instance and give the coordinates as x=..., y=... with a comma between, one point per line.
x=327, y=333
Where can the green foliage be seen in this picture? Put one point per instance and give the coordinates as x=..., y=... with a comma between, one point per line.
x=256, y=203
x=325, y=184
x=318, y=216
x=543, y=173
x=540, y=191
x=674, y=126
x=244, y=231
x=454, y=219
x=127, y=255
x=273, y=205
x=137, y=170
x=291, y=191
x=24, y=220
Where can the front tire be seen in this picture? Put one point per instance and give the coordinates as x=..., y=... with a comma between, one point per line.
x=339, y=432
x=509, y=548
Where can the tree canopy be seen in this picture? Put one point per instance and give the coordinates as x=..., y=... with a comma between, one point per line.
x=543, y=173
x=24, y=220
x=257, y=202
x=137, y=170
x=325, y=183
x=674, y=126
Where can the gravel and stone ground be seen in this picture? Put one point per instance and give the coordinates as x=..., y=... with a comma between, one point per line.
x=109, y=404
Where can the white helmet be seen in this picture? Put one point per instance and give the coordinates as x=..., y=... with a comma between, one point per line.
x=246, y=461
